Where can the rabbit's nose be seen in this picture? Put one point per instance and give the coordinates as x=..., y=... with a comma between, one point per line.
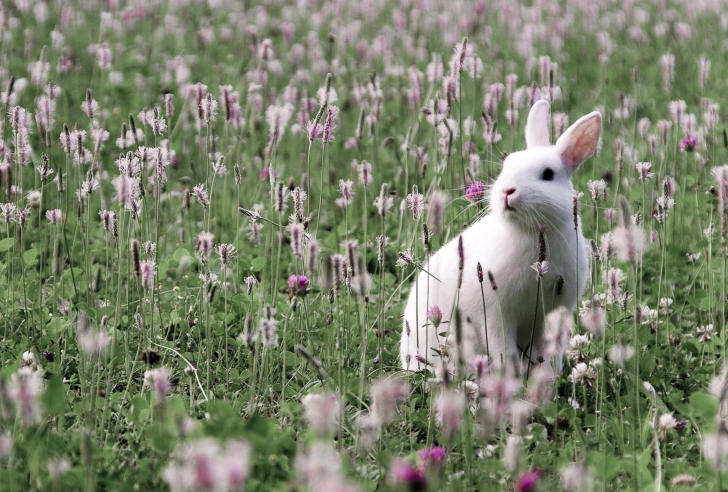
x=509, y=191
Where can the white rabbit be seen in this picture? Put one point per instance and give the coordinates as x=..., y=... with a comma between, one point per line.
x=533, y=191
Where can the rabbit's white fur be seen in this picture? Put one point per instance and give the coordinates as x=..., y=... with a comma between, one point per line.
x=505, y=243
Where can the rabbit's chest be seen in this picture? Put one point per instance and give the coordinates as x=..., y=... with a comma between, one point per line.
x=523, y=285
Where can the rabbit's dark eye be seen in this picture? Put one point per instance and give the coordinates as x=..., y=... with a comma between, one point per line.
x=548, y=174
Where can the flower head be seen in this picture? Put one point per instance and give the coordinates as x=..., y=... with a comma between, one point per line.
x=404, y=474
x=689, y=143
x=434, y=314
x=387, y=396
x=474, y=192
x=528, y=481
x=203, y=246
x=157, y=380
x=297, y=284
x=321, y=411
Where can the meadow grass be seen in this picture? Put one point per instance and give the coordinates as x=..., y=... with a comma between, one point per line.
x=213, y=211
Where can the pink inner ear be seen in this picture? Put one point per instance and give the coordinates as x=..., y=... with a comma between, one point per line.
x=581, y=142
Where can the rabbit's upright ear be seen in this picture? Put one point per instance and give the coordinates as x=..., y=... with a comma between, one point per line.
x=580, y=140
x=537, y=125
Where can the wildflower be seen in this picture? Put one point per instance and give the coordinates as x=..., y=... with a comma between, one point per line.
x=297, y=284
x=644, y=169
x=316, y=462
x=57, y=467
x=226, y=253
x=330, y=124
x=499, y=388
x=688, y=144
x=436, y=211
x=594, y=321
x=201, y=195
x=44, y=170
x=684, y=480
x=205, y=465
x=598, y=190
x=615, y=278
x=558, y=327
x=629, y=242
x=667, y=61
x=387, y=396
x=474, y=193
x=435, y=316
x=250, y=281
x=705, y=333
x=157, y=380
x=89, y=106
x=277, y=118
x=93, y=342
x=539, y=387
x=208, y=108
x=147, y=268
x=54, y=216
x=404, y=258
x=578, y=344
x=665, y=303
x=345, y=188
x=203, y=246
x=665, y=423
x=365, y=173
x=281, y=195
x=268, y=326
x=583, y=375
x=449, y=408
x=431, y=458
x=321, y=411
x=299, y=197
x=125, y=188
x=513, y=452
x=22, y=216
x=415, y=202
x=715, y=449
x=24, y=389
x=361, y=283
x=313, y=130
x=311, y=256
x=541, y=268
x=383, y=202
x=577, y=477
x=404, y=474
x=28, y=359
x=528, y=481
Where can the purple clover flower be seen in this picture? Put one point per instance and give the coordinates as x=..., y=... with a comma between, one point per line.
x=434, y=314
x=403, y=473
x=528, y=481
x=474, y=192
x=688, y=144
x=297, y=284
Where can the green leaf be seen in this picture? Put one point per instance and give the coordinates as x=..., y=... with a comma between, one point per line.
x=257, y=264
x=180, y=253
x=159, y=437
x=7, y=243
x=54, y=397
x=707, y=302
x=703, y=405
x=139, y=409
x=30, y=256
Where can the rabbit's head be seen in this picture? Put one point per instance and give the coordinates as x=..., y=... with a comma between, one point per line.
x=534, y=188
